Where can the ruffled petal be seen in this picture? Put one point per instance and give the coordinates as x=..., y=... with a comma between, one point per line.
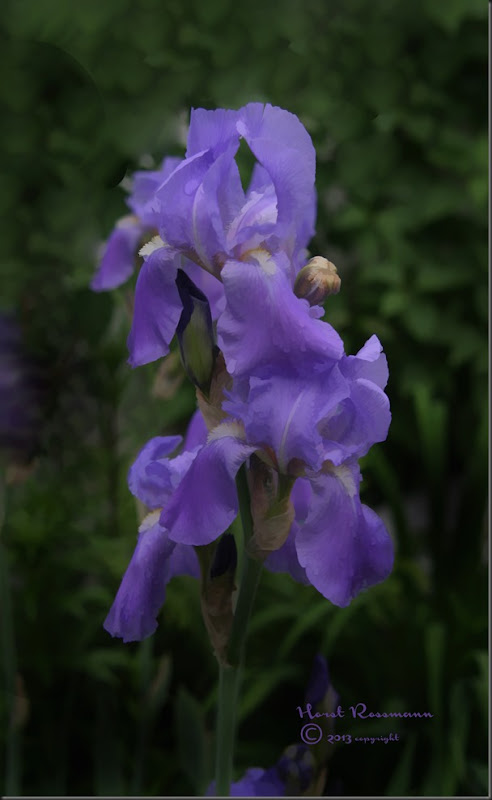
x=285, y=333
x=157, y=308
x=205, y=503
x=145, y=484
x=369, y=363
x=357, y=422
x=119, y=258
x=343, y=545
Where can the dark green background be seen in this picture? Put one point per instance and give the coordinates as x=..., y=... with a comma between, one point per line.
x=394, y=95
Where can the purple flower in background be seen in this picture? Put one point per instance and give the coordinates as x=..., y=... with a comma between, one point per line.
x=153, y=478
x=119, y=256
x=19, y=392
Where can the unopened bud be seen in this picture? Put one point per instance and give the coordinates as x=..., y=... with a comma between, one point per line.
x=318, y=279
x=195, y=333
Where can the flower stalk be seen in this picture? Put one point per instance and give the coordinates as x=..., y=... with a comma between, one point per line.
x=230, y=674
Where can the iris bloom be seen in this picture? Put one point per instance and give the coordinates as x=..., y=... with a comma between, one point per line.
x=242, y=249
x=152, y=479
x=318, y=431
x=311, y=432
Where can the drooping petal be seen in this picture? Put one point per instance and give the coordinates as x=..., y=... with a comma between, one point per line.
x=286, y=332
x=205, y=503
x=143, y=483
x=157, y=308
x=369, y=363
x=141, y=595
x=343, y=546
x=300, y=403
x=119, y=257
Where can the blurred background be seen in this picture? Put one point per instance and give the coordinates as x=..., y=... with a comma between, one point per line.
x=394, y=95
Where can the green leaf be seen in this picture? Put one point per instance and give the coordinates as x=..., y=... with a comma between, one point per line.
x=400, y=784
x=261, y=685
x=435, y=636
x=191, y=738
x=308, y=620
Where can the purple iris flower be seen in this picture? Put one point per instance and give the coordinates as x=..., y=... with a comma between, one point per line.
x=119, y=255
x=319, y=429
x=242, y=249
x=152, y=479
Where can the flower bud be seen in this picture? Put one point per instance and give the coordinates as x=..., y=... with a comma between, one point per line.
x=317, y=280
x=195, y=333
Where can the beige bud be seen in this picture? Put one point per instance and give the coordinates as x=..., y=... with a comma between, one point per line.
x=318, y=279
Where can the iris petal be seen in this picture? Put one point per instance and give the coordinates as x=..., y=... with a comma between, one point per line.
x=157, y=308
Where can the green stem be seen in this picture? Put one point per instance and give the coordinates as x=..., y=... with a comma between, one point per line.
x=230, y=676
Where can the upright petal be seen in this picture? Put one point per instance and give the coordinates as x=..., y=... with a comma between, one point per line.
x=264, y=323
x=205, y=503
x=157, y=308
x=284, y=148
x=119, y=257
x=197, y=202
x=211, y=130
x=343, y=545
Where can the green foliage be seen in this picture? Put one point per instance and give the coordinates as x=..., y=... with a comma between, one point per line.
x=394, y=96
